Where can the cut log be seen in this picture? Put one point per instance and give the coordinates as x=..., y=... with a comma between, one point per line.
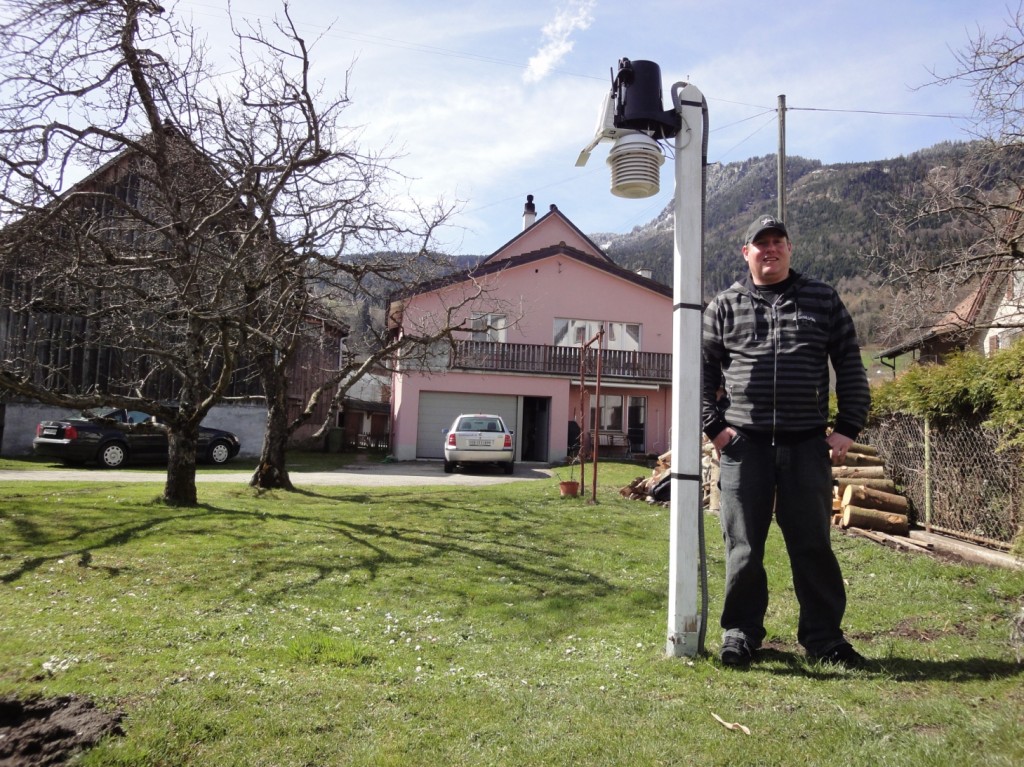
x=885, y=485
x=873, y=519
x=869, y=498
x=866, y=472
x=859, y=459
x=856, y=447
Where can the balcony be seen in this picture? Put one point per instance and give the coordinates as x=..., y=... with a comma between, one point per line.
x=562, y=361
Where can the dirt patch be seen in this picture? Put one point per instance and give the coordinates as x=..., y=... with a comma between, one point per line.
x=49, y=731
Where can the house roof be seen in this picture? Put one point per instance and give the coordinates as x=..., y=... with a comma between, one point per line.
x=553, y=227
x=489, y=267
x=539, y=237
x=962, y=319
x=973, y=308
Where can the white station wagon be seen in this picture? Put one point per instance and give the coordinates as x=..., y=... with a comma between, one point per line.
x=478, y=438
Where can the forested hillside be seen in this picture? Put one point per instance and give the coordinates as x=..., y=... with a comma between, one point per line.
x=835, y=215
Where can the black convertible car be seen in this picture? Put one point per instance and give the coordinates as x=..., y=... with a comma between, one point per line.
x=114, y=437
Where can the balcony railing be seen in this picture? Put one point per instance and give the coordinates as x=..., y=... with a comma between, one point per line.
x=559, y=361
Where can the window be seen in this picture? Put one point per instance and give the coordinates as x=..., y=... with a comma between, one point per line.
x=624, y=336
x=489, y=327
x=611, y=413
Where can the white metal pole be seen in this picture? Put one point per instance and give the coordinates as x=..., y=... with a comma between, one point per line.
x=684, y=618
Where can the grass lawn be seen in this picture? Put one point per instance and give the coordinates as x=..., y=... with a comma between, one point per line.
x=501, y=625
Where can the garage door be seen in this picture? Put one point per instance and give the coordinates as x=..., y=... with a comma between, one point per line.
x=438, y=410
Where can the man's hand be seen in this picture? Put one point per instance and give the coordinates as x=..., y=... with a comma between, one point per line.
x=723, y=438
x=839, y=444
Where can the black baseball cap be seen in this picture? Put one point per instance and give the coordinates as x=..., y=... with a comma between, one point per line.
x=763, y=224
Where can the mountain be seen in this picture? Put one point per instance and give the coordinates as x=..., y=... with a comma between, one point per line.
x=834, y=214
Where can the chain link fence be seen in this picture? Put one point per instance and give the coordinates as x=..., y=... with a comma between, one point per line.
x=955, y=475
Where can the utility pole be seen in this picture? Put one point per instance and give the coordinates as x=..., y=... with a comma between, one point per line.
x=781, y=189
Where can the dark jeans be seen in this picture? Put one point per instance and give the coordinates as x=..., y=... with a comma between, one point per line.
x=796, y=481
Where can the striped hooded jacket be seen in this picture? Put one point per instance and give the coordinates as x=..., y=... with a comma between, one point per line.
x=771, y=360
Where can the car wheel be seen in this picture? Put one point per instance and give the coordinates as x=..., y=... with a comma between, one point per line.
x=449, y=467
x=113, y=455
x=219, y=452
x=510, y=467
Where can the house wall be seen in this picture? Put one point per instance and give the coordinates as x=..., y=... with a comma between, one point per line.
x=1008, y=318
x=406, y=400
x=659, y=411
x=532, y=295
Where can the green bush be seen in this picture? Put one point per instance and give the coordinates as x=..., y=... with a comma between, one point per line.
x=967, y=384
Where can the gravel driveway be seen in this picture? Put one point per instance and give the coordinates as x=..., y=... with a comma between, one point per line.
x=397, y=474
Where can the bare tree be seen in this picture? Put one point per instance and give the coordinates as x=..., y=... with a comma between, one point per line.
x=217, y=229
x=962, y=235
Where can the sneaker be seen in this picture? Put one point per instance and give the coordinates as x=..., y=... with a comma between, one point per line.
x=736, y=652
x=841, y=655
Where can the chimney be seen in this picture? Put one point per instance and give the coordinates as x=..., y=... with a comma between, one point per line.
x=529, y=212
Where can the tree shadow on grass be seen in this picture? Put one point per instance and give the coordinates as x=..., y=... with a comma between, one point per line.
x=531, y=560
x=117, y=535
x=536, y=565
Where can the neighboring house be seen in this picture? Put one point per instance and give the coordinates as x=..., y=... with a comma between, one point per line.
x=989, y=318
x=365, y=414
x=1007, y=325
x=526, y=312
x=68, y=357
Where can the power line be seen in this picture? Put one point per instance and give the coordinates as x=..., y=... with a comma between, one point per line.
x=877, y=112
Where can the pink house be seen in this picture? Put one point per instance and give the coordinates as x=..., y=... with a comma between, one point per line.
x=525, y=312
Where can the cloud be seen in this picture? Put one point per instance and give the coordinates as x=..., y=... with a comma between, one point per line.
x=575, y=15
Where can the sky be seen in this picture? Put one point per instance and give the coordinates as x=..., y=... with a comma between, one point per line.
x=486, y=101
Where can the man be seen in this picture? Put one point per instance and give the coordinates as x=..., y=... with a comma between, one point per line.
x=767, y=342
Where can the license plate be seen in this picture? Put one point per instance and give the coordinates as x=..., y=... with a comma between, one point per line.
x=49, y=432
x=479, y=443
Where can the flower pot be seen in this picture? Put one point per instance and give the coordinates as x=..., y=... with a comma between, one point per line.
x=569, y=487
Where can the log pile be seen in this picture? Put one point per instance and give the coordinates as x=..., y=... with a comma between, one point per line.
x=653, y=489
x=865, y=501
x=864, y=498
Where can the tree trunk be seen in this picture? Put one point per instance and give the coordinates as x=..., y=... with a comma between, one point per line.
x=271, y=471
x=869, y=498
x=873, y=519
x=180, y=488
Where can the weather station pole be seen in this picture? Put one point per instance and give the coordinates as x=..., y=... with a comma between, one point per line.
x=685, y=620
x=632, y=116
